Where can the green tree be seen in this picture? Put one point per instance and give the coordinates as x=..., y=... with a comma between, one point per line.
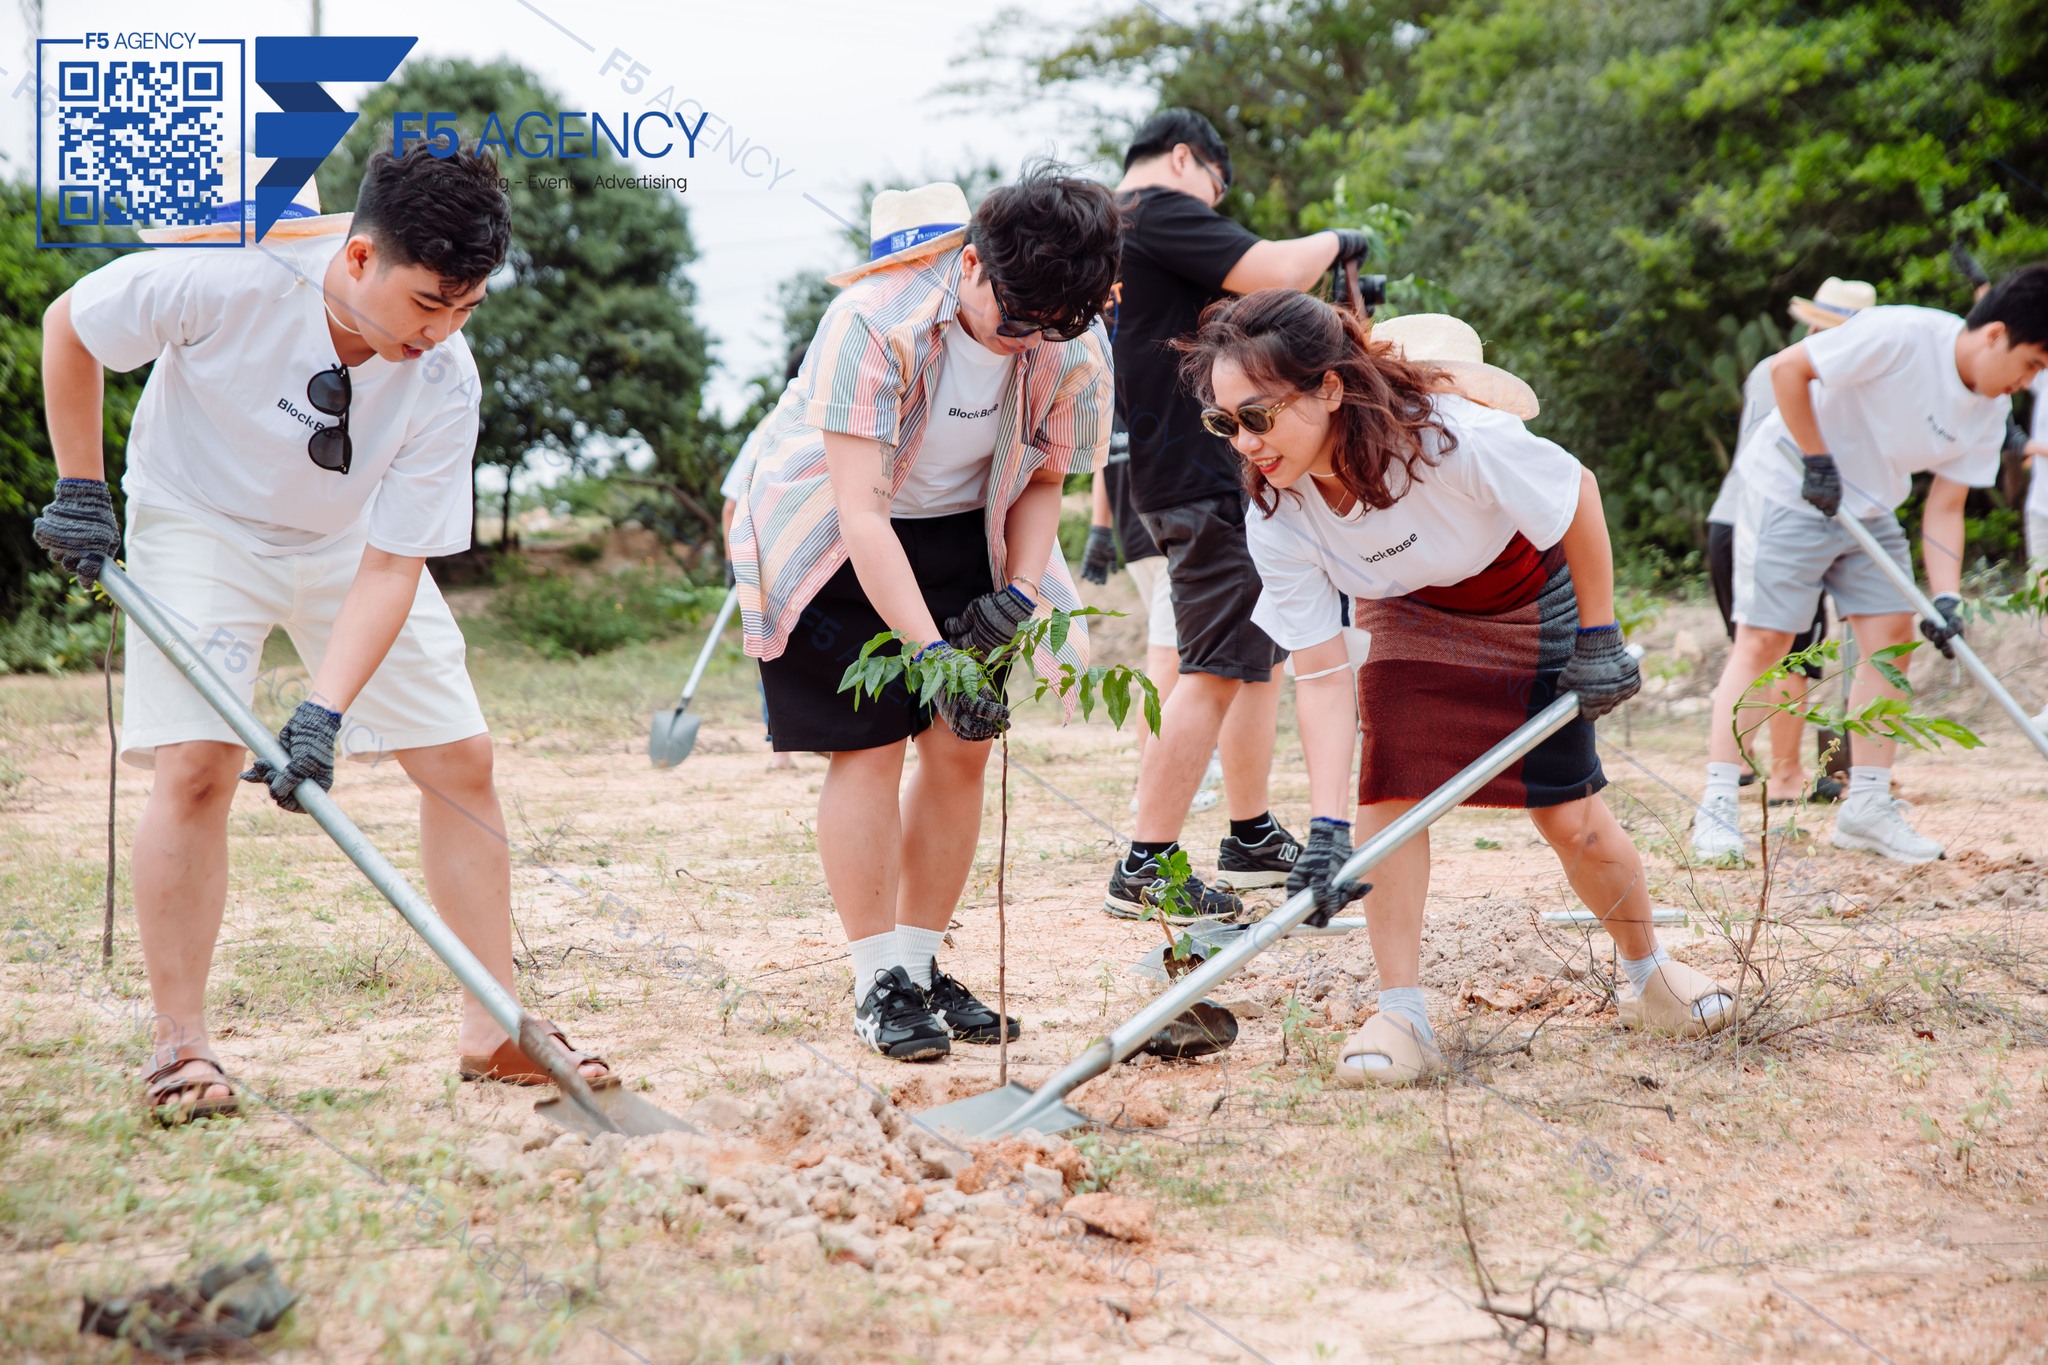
x=30, y=281
x=587, y=343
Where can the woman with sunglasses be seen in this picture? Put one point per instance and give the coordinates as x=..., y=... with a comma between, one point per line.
x=1477, y=558
x=909, y=480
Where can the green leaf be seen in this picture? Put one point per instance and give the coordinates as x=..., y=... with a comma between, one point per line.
x=1151, y=705
x=1890, y=673
x=1057, y=636
x=1116, y=695
x=1088, y=695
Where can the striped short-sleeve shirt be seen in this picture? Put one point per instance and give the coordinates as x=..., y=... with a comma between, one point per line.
x=870, y=372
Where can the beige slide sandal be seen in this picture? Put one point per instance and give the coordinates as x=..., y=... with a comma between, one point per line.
x=1664, y=1007
x=1393, y=1039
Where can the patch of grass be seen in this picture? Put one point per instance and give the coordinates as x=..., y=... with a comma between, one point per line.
x=565, y=617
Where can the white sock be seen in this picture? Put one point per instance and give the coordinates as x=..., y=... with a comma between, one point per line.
x=876, y=953
x=1723, y=779
x=1639, y=972
x=919, y=946
x=1406, y=1004
x=1869, y=782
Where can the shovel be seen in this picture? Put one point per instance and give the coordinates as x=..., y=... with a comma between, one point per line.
x=675, y=733
x=1015, y=1108
x=1927, y=611
x=582, y=1108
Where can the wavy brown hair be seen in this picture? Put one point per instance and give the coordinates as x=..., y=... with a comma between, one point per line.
x=1287, y=340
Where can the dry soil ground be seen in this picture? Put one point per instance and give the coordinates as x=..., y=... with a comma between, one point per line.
x=1856, y=1174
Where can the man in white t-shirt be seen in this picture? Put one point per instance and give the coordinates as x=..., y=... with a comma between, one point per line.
x=1894, y=392
x=302, y=446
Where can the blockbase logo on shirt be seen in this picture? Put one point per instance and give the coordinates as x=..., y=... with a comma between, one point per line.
x=137, y=128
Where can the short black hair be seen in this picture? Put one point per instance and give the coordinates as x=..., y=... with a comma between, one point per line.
x=1169, y=128
x=447, y=213
x=1049, y=244
x=2020, y=301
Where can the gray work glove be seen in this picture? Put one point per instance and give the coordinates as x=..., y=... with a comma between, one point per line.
x=1822, y=484
x=1327, y=850
x=78, y=528
x=973, y=716
x=1352, y=245
x=990, y=621
x=1601, y=671
x=1951, y=608
x=1100, y=556
x=308, y=742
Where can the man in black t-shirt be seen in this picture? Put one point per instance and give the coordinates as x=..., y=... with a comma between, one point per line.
x=1179, y=256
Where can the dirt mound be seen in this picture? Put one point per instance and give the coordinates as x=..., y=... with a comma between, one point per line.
x=827, y=1172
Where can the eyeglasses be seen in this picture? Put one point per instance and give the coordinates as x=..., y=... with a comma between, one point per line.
x=330, y=392
x=1257, y=418
x=1222, y=185
x=1018, y=328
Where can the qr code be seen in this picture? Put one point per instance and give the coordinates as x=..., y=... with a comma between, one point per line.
x=141, y=141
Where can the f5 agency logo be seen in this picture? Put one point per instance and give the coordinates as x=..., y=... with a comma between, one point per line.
x=147, y=128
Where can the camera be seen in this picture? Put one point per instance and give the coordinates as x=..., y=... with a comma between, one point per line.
x=1373, y=289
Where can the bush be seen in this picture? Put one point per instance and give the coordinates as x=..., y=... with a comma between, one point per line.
x=566, y=617
x=60, y=628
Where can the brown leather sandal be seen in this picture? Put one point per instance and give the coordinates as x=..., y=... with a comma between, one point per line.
x=511, y=1065
x=162, y=1087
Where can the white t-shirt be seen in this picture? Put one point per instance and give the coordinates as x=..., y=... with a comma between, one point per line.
x=1890, y=405
x=2037, y=481
x=1759, y=400
x=950, y=472
x=1449, y=524
x=221, y=430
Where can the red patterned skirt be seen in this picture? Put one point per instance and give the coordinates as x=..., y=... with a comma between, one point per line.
x=1452, y=671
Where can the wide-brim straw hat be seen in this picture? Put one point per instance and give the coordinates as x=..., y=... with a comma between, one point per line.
x=234, y=209
x=1449, y=344
x=906, y=225
x=1834, y=303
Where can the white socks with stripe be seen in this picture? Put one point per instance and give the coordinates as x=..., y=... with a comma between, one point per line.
x=876, y=953
x=1640, y=972
x=918, y=947
x=1723, y=779
x=1868, y=783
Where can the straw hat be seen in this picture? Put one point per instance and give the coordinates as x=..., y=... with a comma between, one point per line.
x=904, y=225
x=233, y=208
x=1450, y=345
x=1834, y=303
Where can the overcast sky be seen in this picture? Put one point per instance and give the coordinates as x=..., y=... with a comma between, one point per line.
x=834, y=93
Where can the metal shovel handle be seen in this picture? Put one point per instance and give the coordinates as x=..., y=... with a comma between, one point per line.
x=531, y=1032
x=1903, y=581
x=732, y=601
x=1126, y=1039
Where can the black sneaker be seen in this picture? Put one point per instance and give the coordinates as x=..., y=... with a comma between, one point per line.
x=1247, y=867
x=1131, y=894
x=894, y=1020
x=969, y=1020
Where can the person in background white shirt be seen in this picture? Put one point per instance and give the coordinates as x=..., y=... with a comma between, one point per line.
x=1893, y=392
x=302, y=447
x=1394, y=467
x=2035, y=449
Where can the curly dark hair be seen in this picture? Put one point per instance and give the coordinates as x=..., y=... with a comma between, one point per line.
x=1050, y=245
x=2020, y=301
x=447, y=213
x=1286, y=339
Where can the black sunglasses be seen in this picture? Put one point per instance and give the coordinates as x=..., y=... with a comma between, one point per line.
x=330, y=392
x=1019, y=328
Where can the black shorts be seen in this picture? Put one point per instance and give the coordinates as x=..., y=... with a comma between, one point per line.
x=806, y=710
x=1215, y=587
x=1721, y=575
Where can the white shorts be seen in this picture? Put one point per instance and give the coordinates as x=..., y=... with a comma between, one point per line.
x=2037, y=535
x=225, y=600
x=1155, y=591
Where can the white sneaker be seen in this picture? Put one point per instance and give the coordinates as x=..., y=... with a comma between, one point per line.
x=1212, y=776
x=1717, y=830
x=1877, y=824
x=2041, y=721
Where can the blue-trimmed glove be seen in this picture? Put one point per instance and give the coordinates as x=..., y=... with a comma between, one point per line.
x=1327, y=850
x=78, y=529
x=1100, y=556
x=308, y=742
x=1951, y=608
x=1601, y=671
x=1822, y=483
x=972, y=716
x=990, y=621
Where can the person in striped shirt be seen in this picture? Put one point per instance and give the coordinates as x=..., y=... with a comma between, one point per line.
x=909, y=480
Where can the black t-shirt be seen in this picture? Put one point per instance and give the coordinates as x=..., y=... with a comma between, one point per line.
x=1131, y=536
x=1176, y=251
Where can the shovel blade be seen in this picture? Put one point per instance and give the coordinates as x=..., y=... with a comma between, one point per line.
x=627, y=1112
x=672, y=737
x=989, y=1114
